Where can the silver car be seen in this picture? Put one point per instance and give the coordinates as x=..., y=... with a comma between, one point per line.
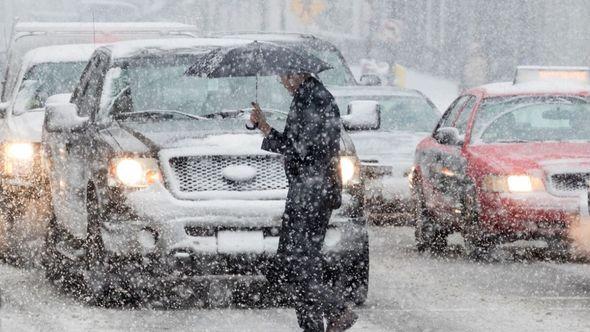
x=385, y=124
x=151, y=168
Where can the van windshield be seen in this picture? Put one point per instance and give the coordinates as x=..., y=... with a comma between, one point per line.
x=44, y=80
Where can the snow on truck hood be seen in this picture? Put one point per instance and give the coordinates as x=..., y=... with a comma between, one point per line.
x=522, y=157
x=395, y=148
x=178, y=136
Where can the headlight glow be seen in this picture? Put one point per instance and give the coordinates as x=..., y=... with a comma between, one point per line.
x=513, y=183
x=134, y=172
x=520, y=183
x=349, y=169
x=18, y=159
x=19, y=151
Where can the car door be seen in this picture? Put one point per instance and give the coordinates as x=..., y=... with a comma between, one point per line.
x=70, y=151
x=443, y=164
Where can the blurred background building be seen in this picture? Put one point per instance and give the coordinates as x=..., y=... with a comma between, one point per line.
x=469, y=41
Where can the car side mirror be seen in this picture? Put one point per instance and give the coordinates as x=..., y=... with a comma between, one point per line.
x=448, y=136
x=63, y=117
x=362, y=115
x=370, y=80
x=3, y=110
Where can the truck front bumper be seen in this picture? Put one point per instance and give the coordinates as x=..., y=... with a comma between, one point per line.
x=215, y=236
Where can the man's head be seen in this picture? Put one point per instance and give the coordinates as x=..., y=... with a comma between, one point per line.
x=293, y=81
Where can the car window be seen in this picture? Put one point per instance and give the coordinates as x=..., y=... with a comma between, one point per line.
x=463, y=119
x=449, y=117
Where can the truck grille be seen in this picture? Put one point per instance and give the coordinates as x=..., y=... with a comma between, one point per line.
x=205, y=173
x=568, y=182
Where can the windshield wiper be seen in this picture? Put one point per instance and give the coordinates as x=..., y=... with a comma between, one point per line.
x=235, y=113
x=160, y=113
x=512, y=141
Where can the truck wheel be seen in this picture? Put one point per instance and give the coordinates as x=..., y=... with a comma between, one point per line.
x=94, y=268
x=428, y=233
x=53, y=262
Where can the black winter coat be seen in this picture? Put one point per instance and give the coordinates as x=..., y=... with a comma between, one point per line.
x=310, y=143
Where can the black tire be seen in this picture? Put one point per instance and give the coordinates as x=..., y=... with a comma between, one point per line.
x=429, y=234
x=94, y=268
x=559, y=248
x=478, y=244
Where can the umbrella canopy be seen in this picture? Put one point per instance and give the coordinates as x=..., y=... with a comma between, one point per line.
x=256, y=59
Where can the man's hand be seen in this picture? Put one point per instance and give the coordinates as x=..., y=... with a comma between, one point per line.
x=257, y=117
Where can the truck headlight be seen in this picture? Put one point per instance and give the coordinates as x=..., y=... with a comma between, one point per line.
x=513, y=183
x=349, y=170
x=18, y=158
x=134, y=172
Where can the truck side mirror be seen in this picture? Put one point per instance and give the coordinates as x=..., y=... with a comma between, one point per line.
x=61, y=117
x=362, y=115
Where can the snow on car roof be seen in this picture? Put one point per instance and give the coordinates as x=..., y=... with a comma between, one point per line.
x=102, y=27
x=354, y=91
x=126, y=49
x=268, y=36
x=59, y=53
x=535, y=87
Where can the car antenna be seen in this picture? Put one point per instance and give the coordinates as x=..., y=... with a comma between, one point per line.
x=93, y=31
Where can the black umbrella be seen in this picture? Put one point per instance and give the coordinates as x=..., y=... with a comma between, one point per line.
x=256, y=59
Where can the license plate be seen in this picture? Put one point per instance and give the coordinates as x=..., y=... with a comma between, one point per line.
x=236, y=242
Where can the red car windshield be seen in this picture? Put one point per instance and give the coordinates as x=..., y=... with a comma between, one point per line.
x=532, y=119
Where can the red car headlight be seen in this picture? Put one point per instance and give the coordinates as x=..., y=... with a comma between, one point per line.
x=513, y=183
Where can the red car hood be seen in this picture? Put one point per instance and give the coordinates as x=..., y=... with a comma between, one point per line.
x=523, y=157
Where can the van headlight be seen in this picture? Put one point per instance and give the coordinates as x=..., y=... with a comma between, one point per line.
x=134, y=172
x=18, y=158
x=350, y=170
x=513, y=183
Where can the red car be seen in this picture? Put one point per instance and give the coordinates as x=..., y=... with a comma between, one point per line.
x=506, y=162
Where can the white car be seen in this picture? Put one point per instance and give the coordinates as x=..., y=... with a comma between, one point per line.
x=45, y=71
x=395, y=120
x=26, y=36
x=152, y=169
x=40, y=65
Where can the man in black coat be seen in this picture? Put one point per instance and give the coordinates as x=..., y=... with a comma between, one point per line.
x=310, y=144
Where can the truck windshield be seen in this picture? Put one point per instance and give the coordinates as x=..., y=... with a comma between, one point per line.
x=400, y=113
x=533, y=119
x=44, y=80
x=158, y=83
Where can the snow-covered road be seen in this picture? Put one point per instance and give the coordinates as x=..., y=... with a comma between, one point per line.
x=409, y=292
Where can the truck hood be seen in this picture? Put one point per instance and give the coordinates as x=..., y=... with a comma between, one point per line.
x=389, y=149
x=524, y=157
x=193, y=135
